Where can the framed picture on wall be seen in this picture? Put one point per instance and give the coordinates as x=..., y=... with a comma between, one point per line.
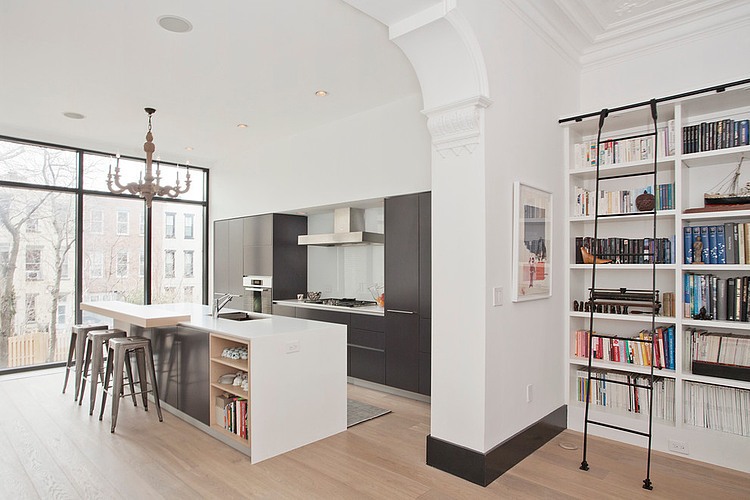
x=532, y=243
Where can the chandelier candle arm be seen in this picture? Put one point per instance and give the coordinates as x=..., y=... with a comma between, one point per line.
x=146, y=188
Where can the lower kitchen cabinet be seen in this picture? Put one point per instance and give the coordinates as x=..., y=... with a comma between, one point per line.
x=181, y=365
x=366, y=346
x=425, y=357
x=402, y=350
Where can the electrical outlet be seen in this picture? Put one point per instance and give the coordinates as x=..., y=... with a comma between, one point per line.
x=292, y=346
x=678, y=446
x=529, y=393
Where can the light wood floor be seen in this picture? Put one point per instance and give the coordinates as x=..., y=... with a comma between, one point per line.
x=51, y=448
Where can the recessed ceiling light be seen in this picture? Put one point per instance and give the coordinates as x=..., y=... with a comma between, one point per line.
x=242, y=125
x=188, y=148
x=73, y=115
x=174, y=24
x=321, y=93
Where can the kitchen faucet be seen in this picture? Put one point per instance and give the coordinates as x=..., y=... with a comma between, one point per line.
x=221, y=302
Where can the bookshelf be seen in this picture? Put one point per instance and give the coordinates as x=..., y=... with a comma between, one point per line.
x=230, y=403
x=690, y=174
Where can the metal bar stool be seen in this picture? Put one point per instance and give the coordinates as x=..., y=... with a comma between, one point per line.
x=78, y=336
x=96, y=340
x=119, y=349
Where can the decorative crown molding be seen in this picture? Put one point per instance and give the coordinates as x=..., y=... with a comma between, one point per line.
x=457, y=127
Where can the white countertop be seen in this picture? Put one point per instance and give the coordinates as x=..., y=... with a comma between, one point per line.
x=371, y=310
x=199, y=316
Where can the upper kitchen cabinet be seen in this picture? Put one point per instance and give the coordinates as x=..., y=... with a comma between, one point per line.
x=261, y=245
x=228, y=261
x=402, y=253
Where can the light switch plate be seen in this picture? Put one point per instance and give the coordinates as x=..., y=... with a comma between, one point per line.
x=497, y=296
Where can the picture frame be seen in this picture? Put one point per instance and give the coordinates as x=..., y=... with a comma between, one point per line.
x=532, y=243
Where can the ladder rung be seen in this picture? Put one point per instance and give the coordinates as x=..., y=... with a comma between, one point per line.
x=620, y=382
x=624, y=429
x=601, y=335
x=613, y=139
x=621, y=176
x=626, y=214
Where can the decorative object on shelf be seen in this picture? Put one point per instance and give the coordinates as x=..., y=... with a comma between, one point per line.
x=313, y=296
x=532, y=242
x=728, y=191
x=149, y=186
x=378, y=294
x=645, y=202
x=697, y=250
x=589, y=259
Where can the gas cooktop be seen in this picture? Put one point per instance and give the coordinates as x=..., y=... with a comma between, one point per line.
x=342, y=302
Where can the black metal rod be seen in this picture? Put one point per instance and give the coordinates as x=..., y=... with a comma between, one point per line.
x=620, y=382
x=599, y=335
x=628, y=214
x=647, y=481
x=625, y=138
x=715, y=88
x=622, y=176
x=617, y=427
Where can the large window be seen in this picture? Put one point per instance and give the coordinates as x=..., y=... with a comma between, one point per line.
x=40, y=189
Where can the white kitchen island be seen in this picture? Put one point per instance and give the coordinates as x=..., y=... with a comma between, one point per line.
x=296, y=370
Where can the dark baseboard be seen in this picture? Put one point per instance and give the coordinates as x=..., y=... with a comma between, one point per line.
x=483, y=468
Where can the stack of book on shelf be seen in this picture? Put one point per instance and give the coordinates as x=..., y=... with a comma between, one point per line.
x=621, y=201
x=722, y=299
x=624, y=151
x=717, y=407
x=721, y=244
x=720, y=354
x=630, y=351
x=232, y=413
x=708, y=136
x=627, y=250
x=628, y=397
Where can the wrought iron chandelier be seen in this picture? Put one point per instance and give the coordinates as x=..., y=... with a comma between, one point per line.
x=149, y=186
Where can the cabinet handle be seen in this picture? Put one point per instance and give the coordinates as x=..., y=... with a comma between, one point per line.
x=399, y=311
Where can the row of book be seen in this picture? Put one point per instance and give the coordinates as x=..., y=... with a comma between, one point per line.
x=707, y=296
x=623, y=151
x=621, y=201
x=721, y=348
x=633, y=397
x=627, y=250
x=631, y=351
x=717, y=407
x=727, y=243
x=232, y=414
x=708, y=136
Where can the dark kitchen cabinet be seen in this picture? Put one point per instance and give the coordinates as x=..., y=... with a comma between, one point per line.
x=366, y=348
x=182, y=368
x=228, y=264
x=261, y=245
x=408, y=291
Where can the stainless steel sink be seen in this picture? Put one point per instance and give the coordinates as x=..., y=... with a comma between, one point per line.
x=236, y=316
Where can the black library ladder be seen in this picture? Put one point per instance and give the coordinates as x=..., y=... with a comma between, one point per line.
x=598, y=295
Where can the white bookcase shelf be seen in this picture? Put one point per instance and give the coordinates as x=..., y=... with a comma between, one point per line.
x=692, y=175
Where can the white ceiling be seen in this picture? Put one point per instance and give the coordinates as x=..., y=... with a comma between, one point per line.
x=257, y=62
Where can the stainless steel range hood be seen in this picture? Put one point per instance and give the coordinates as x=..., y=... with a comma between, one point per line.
x=348, y=229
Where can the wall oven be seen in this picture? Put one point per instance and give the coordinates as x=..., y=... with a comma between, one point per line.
x=258, y=296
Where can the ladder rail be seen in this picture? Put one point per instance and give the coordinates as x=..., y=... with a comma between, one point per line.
x=596, y=254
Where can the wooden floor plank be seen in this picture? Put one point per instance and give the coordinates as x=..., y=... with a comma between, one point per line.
x=51, y=448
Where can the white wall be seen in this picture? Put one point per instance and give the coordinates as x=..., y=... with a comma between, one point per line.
x=720, y=56
x=530, y=83
x=384, y=151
